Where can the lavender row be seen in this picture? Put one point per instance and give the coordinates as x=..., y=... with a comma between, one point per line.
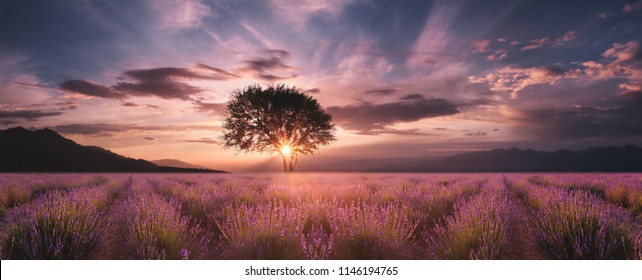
x=57, y=226
x=579, y=225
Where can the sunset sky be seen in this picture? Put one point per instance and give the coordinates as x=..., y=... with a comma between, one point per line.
x=149, y=79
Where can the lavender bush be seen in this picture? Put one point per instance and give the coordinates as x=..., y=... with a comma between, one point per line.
x=363, y=231
x=477, y=230
x=578, y=225
x=156, y=229
x=57, y=226
x=268, y=231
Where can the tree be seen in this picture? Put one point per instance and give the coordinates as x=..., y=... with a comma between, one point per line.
x=277, y=119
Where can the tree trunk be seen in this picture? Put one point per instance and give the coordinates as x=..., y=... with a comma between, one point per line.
x=285, y=165
x=293, y=161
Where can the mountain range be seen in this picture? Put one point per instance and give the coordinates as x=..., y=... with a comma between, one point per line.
x=44, y=150
x=627, y=158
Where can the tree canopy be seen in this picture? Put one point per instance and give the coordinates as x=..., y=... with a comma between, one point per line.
x=276, y=119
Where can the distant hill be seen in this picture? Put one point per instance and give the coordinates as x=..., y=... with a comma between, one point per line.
x=44, y=150
x=176, y=163
x=601, y=159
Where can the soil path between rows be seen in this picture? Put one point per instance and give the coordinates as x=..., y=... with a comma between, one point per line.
x=522, y=244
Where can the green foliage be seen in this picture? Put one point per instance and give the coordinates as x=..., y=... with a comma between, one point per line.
x=265, y=120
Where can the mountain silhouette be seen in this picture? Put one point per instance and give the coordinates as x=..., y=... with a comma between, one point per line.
x=44, y=150
x=175, y=163
x=601, y=159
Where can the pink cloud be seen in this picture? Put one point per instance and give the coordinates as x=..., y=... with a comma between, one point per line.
x=515, y=79
x=624, y=66
x=569, y=36
x=538, y=43
x=480, y=46
x=623, y=52
x=497, y=55
x=629, y=8
x=180, y=14
x=501, y=40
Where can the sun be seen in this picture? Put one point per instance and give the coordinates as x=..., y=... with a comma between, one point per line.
x=285, y=150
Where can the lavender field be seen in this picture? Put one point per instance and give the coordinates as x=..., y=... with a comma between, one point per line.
x=321, y=216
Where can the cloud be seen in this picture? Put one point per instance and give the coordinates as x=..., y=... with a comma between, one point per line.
x=98, y=129
x=215, y=109
x=569, y=36
x=217, y=74
x=624, y=52
x=369, y=118
x=62, y=105
x=91, y=89
x=629, y=8
x=8, y=122
x=312, y=91
x=129, y=104
x=299, y=11
x=180, y=14
x=164, y=82
x=480, y=46
x=149, y=138
x=30, y=115
x=537, y=43
x=382, y=91
x=624, y=119
x=514, y=79
x=412, y=97
x=497, y=55
x=624, y=65
x=476, y=134
x=205, y=140
x=269, y=68
x=107, y=130
x=563, y=40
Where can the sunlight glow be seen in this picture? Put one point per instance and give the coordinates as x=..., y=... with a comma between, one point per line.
x=285, y=150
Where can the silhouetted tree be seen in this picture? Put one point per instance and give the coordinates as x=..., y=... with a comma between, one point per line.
x=276, y=119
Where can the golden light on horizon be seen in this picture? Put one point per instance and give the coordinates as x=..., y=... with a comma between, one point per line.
x=285, y=150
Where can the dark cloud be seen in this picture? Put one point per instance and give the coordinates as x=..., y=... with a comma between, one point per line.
x=440, y=128
x=129, y=104
x=369, y=118
x=67, y=105
x=63, y=105
x=217, y=74
x=200, y=72
x=160, y=82
x=165, y=82
x=31, y=85
x=8, y=122
x=382, y=91
x=160, y=88
x=99, y=129
x=312, y=91
x=264, y=68
x=205, y=141
x=216, y=109
x=149, y=138
x=91, y=89
x=476, y=134
x=30, y=115
x=478, y=102
x=624, y=118
x=412, y=97
x=107, y=130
